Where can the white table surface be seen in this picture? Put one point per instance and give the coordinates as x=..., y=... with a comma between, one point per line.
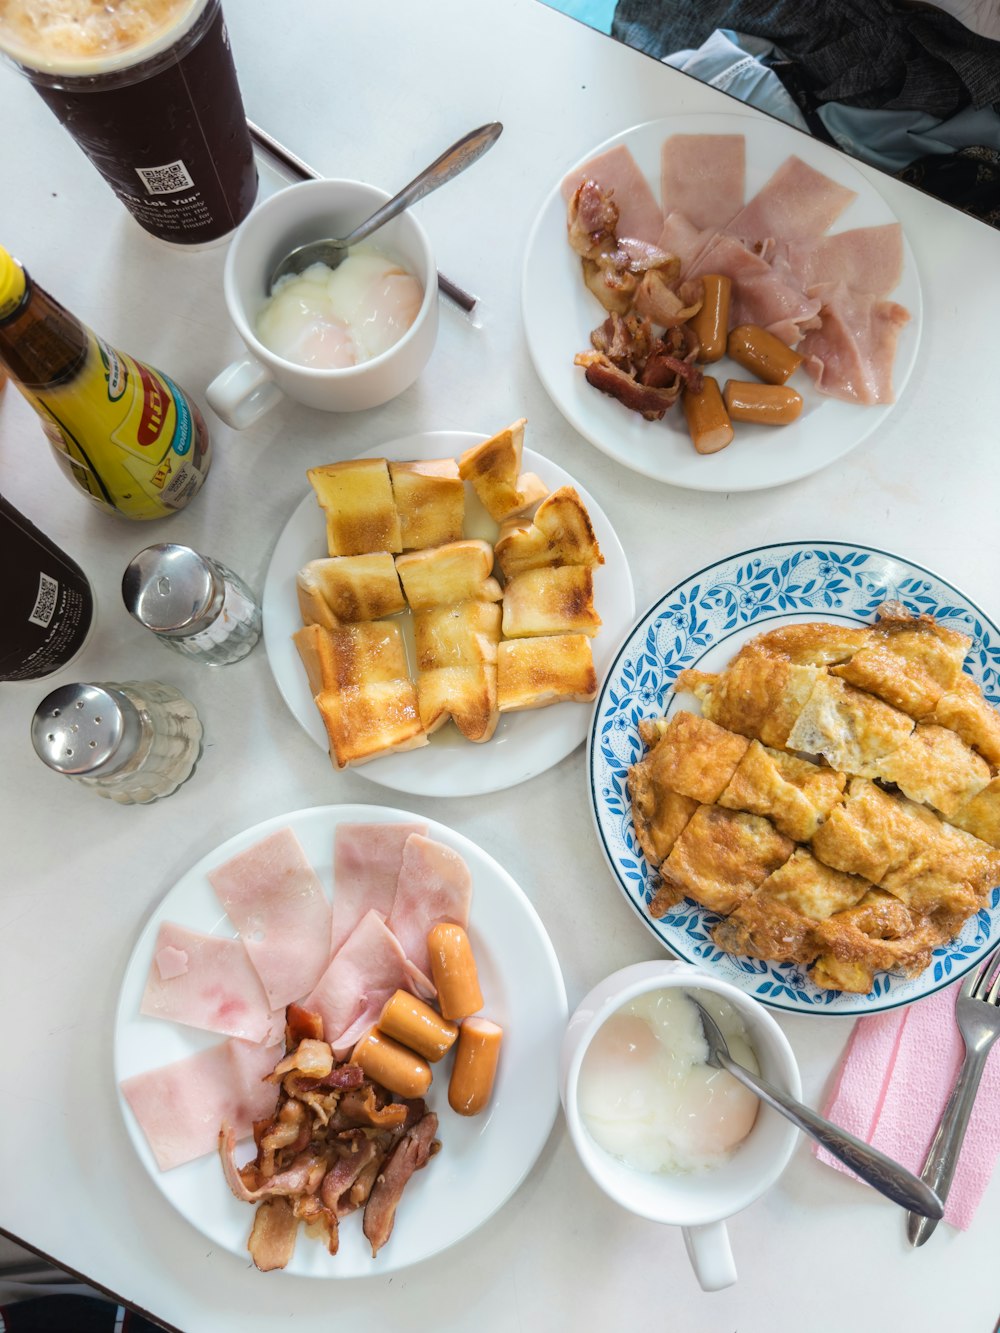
x=374, y=92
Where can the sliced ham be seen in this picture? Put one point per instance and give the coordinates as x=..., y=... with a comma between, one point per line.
x=180, y=1107
x=703, y=177
x=434, y=885
x=366, y=864
x=679, y=236
x=867, y=259
x=217, y=989
x=761, y=294
x=639, y=214
x=275, y=900
x=850, y=355
x=368, y=967
x=796, y=204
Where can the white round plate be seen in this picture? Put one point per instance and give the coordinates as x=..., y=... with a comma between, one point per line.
x=524, y=744
x=703, y=622
x=482, y=1160
x=559, y=313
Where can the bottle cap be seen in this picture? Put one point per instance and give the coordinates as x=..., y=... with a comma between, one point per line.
x=86, y=730
x=173, y=590
x=13, y=284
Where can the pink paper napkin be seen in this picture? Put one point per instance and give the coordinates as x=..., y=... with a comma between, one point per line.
x=893, y=1082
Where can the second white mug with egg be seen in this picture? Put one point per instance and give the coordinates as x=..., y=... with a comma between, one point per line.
x=697, y=1201
x=311, y=211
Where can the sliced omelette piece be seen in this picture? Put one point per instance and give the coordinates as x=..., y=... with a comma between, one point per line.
x=561, y=533
x=795, y=794
x=356, y=497
x=910, y=661
x=878, y=934
x=442, y=575
x=659, y=814
x=344, y=589
x=758, y=695
x=969, y=714
x=430, y=501
x=814, y=642
x=851, y=729
x=868, y=834
x=559, y=600
x=722, y=856
x=934, y=766
x=694, y=757
x=981, y=814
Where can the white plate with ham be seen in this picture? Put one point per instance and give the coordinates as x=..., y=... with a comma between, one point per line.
x=524, y=744
x=817, y=257
x=482, y=1160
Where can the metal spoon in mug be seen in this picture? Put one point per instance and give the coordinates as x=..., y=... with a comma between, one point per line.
x=333, y=251
x=887, y=1176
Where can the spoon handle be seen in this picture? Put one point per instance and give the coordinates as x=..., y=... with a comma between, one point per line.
x=460, y=155
x=887, y=1176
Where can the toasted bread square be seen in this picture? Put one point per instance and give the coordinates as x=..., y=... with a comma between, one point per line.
x=463, y=634
x=344, y=589
x=550, y=601
x=493, y=468
x=316, y=651
x=364, y=721
x=356, y=497
x=532, y=673
x=561, y=533
x=371, y=652
x=430, y=501
x=466, y=694
x=457, y=572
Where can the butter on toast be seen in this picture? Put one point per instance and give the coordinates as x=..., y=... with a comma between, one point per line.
x=356, y=497
x=558, y=600
x=456, y=572
x=532, y=673
x=560, y=533
x=494, y=469
x=430, y=501
x=343, y=589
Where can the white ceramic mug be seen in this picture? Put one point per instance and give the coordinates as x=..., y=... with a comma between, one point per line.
x=698, y=1201
x=312, y=211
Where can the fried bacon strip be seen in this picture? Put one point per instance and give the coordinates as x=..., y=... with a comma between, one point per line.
x=336, y=1142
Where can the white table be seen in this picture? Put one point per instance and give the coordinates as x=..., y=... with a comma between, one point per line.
x=373, y=93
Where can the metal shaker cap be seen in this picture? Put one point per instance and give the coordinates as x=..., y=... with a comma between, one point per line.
x=173, y=590
x=86, y=730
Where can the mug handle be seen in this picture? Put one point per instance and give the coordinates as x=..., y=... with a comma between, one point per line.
x=243, y=392
x=711, y=1255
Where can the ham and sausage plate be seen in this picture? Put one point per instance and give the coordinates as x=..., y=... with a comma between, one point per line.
x=218, y=1063
x=814, y=253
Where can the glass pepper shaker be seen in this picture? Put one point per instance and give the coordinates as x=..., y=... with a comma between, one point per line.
x=193, y=604
x=132, y=742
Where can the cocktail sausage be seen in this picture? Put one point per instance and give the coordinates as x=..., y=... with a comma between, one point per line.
x=475, y=1067
x=453, y=970
x=408, y=1020
x=392, y=1065
x=766, y=404
x=711, y=324
x=706, y=417
x=762, y=353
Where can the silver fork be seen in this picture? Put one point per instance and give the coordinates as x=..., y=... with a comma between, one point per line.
x=977, y=1012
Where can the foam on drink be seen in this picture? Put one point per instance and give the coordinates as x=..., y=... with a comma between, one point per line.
x=68, y=33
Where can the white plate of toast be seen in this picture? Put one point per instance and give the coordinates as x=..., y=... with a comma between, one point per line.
x=525, y=743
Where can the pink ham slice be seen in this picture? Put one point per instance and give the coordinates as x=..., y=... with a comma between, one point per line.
x=867, y=259
x=368, y=967
x=797, y=204
x=180, y=1107
x=218, y=989
x=366, y=863
x=703, y=177
x=434, y=885
x=850, y=355
x=761, y=295
x=274, y=899
x=682, y=238
x=639, y=214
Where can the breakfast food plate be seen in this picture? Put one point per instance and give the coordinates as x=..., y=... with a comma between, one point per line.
x=482, y=1160
x=559, y=313
x=526, y=743
x=701, y=623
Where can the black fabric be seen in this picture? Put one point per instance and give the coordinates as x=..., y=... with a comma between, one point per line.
x=968, y=179
x=864, y=53
x=70, y=1314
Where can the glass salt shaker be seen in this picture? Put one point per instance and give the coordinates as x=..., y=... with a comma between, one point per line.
x=132, y=742
x=194, y=605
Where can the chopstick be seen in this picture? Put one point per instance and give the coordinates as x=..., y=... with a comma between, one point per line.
x=463, y=299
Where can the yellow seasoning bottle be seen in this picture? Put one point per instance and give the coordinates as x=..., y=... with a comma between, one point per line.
x=128, y=436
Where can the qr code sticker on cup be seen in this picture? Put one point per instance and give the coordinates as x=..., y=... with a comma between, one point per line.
x=167, y=179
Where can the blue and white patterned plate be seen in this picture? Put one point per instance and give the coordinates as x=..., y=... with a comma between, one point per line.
x=702, y=623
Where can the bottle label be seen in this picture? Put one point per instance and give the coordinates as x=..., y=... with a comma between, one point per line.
x=126, y=433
